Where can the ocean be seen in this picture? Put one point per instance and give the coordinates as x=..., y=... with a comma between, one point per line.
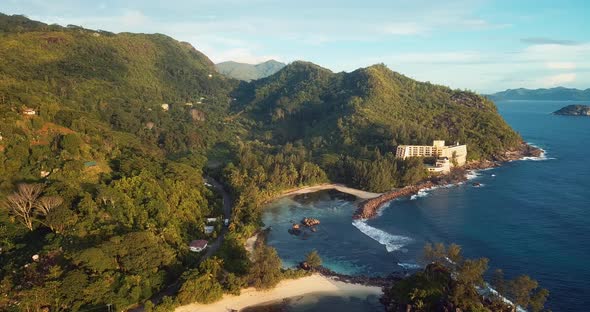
x=528, y=217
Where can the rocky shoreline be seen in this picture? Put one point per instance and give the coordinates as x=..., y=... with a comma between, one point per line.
x=361, y=279
x=369, y=208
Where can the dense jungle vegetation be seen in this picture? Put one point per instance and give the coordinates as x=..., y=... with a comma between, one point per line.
x=104, y=187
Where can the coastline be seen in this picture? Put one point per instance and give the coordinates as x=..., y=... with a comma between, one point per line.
x=369, y=205
x=315, y=283
x=369, y=208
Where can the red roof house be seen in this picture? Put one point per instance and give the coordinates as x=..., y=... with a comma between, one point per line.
x=198, y=245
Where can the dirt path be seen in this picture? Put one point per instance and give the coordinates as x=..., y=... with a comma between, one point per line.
x=339, y=187
x=212, y=248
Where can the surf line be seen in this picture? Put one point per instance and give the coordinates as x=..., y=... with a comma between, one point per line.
x=390, y=241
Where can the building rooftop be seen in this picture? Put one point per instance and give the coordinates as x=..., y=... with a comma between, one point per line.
x=91, y=163
x=199, y=243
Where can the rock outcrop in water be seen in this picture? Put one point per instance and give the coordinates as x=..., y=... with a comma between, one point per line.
x=523, y=150
x=574, y=110
x=295, y=229
x=309, y=222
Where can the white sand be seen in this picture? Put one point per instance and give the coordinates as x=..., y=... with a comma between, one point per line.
x=339, y=187
x=285, y=289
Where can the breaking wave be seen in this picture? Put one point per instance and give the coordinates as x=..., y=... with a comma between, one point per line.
x=409, y=266
x=421, y=193
x=542, y=157
x=390, y=241
x=472, y=174
x=488, y=291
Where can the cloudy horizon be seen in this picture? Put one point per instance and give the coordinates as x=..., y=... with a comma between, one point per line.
x=486, y=46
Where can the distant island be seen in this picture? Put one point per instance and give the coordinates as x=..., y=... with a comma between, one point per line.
x=248, y=72
x=574, y=110
x=552, y=94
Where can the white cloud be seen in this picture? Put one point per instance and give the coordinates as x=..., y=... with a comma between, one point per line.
x=551, y=52
x=558, y=80
x=343, y=36
x=455, y=57
x=403, y=29
x=133, y=19
x=561, y=65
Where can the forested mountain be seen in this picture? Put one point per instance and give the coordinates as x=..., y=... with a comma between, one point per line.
x=104, y=139
x=552, y=94
x=247, y=72
x=101, y=188
x=353, y=121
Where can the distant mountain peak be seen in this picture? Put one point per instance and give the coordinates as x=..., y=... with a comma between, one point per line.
x=247, y=72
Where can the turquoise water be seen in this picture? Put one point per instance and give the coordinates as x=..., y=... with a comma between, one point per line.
x=530, y=216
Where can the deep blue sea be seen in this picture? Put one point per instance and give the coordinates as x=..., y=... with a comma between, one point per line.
x=528, y=217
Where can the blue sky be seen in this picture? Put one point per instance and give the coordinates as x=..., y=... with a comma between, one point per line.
x=481, y=45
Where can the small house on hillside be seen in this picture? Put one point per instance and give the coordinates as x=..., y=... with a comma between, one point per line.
x=165, y=107
x=209, y=229
x=198, y=245
x=90, y=164
x=211, y=220
x=29, y=111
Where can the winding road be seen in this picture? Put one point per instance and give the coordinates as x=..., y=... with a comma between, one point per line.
x=212, y=248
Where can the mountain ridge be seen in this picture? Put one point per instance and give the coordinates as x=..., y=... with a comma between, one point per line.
x=300, y=99
x=547, y=94
x=122, y=127
x=248, y=72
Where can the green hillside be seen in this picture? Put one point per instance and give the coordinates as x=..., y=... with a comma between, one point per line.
x=111, y=183
x=247, y=72
x=353, y=121
x=111, y=180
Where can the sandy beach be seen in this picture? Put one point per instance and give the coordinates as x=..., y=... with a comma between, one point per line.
x=286, y=289
x=339, y=187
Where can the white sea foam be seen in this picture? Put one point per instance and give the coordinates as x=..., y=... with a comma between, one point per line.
x=472, y=174
x=426, y=191
x=390, y=241
x=421, y=193
x=409, y=266
x=488, y=291
x=541, y=157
